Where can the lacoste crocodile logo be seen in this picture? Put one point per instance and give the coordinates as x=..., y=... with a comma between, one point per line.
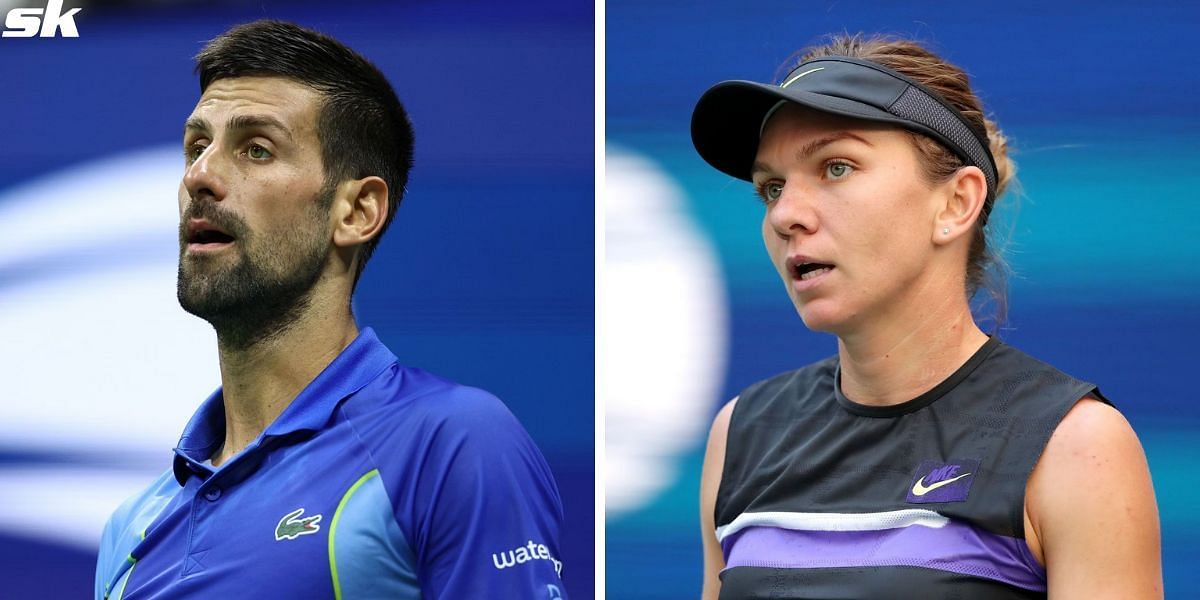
x=291, y=526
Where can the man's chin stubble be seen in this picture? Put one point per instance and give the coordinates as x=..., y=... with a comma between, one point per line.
x=246, y=308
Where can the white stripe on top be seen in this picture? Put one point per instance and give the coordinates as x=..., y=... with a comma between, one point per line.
x=798, y=521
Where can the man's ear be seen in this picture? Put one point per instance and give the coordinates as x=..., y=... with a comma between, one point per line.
x=359, y=210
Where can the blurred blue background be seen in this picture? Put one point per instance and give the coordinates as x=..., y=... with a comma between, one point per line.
x=1099, y=101
x=485, y=277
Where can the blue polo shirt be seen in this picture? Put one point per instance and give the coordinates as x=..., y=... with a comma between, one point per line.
x=378, y=481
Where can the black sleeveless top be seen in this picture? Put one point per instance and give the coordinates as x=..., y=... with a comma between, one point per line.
x=825, y=498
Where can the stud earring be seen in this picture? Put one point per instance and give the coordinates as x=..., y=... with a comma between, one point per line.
x=945, y=231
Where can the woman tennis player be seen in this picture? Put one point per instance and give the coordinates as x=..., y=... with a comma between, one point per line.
x=926, y=459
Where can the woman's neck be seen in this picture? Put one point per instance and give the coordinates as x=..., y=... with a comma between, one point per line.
x=893, y=364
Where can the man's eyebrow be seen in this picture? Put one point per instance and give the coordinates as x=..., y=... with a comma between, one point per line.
x=239, y=122
x=806, y=151
x=196, y=124
x=257, y=122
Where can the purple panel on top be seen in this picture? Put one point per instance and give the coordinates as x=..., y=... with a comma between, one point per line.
x=956, y=547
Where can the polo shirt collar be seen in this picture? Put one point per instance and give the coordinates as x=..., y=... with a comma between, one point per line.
x=356, y=366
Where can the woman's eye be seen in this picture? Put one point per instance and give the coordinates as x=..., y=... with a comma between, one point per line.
x=771, y=191
x=258, y=152
x=838, y=170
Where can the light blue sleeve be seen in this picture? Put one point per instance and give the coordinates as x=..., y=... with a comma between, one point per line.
x=477, y=510
x=488, y=511
x=125, y=530
x=369, y=556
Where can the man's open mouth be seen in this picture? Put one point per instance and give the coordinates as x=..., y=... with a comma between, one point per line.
x=203, y=235
x=210, y=237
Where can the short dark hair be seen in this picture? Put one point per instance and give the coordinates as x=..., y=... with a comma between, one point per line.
x=363, y=127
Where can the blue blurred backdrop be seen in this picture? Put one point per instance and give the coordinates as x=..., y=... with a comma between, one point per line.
x=1099, y=100
x=486, y=276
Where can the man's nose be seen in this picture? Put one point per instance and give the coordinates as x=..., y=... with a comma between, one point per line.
x=204, y=177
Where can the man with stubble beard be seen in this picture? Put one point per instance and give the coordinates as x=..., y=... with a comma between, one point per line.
x=321, y=468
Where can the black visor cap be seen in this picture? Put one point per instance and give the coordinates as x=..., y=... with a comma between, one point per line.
x=728, y=119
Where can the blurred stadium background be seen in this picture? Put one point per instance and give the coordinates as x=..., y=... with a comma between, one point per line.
x=486, y=276
x=1099, y=99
